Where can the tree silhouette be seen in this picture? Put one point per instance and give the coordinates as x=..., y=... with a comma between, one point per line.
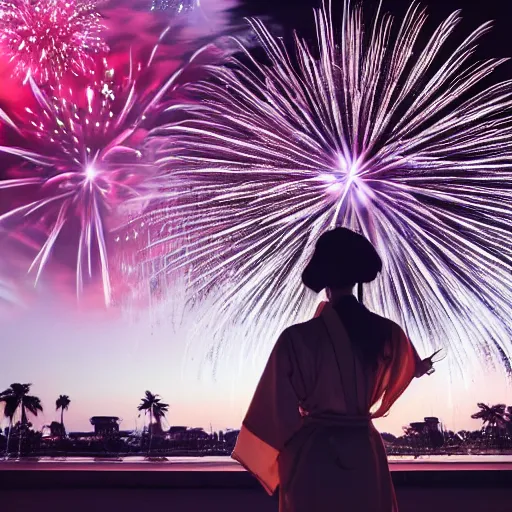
x=509, y=419
x=62, y=403
x=16, y=397
x=56, y=429
x=157, y=410
x=491, y=415
x=493, y=418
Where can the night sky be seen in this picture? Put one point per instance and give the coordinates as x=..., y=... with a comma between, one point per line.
x=297, y=15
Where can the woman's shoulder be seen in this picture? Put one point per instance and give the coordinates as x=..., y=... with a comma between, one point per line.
x=304, y=333
x=385, y=323
x=309, y=325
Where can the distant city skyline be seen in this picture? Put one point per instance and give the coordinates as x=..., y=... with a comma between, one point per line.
x=105, y=363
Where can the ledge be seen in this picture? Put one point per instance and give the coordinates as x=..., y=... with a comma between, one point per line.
x=226, y=475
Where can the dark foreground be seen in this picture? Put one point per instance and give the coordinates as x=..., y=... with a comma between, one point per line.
x=210, y=488
x=235, y=500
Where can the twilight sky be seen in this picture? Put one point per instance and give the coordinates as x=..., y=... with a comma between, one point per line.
x=105, y=362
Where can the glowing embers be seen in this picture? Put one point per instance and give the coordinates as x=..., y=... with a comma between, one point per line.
x=175, y=6
x=46, y=39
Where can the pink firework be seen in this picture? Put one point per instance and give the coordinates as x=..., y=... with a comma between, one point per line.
x=73, y=163
x=47, y=39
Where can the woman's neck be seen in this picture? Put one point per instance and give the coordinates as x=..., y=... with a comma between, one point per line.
x=339, y=293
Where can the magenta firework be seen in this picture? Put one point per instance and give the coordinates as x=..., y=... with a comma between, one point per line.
x=369, y=130
x=84, y=82
x=47, y=39
x=76, y=157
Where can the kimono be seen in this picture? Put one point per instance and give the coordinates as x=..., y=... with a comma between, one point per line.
x=309, y=427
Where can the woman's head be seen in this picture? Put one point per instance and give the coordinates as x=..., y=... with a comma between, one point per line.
x=342, y=259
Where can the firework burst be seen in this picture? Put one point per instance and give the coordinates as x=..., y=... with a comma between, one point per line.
x=73, y=161
x=77, y=161
x=46, y=39
x=368, y=133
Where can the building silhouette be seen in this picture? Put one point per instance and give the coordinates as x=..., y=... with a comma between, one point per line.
x=105, y=425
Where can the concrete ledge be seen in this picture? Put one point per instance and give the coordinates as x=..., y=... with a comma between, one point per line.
x=170, y=476
x=411, y=499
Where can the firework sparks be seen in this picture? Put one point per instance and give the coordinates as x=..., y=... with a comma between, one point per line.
x=73, y=160
x=176, y=6
x=368, y=135
x=47, y=39
x=15, y=255
x=80, y=161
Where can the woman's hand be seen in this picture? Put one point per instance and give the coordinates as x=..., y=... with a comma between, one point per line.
x=426, y=367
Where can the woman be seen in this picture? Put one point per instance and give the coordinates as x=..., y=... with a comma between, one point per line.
x=309, y=427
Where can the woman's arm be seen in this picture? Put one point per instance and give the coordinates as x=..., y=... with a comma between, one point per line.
x=272, y=419
x=424, y=367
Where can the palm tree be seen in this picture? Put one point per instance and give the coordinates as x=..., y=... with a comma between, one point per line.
x=509, y=419
x=16, y=397
x=11, y=404
x=62, y=403
x=157, y=410
x=492, y=416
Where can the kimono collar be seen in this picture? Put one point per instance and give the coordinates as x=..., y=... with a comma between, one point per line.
x=344, y=354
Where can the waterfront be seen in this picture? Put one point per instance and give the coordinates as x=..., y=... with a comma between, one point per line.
x=432, y=463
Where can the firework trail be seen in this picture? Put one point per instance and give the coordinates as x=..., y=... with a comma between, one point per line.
x=367, y=133
x=16, y=253
x=47, y=39
x=8, y=294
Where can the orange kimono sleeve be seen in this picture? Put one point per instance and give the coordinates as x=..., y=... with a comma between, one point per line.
x=320, y=308
x=395, y=373
x=272, y=419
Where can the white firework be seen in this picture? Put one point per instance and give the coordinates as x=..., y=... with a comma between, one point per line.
x=370, y=131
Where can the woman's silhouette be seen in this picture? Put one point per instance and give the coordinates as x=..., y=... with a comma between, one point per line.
x=309, y=427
